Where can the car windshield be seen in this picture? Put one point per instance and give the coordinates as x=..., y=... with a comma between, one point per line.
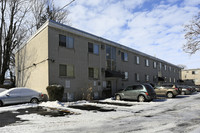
x=149, y=89
x=4, y=92
x=170, y=86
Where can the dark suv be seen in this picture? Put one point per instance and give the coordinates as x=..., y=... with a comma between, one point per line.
x=168, y=90
x=139, y=92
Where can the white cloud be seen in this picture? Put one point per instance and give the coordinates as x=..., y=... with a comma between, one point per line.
x=191, y=2
x=156, y=32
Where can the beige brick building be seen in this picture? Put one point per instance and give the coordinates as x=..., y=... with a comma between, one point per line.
x=191, y=74
x=59, y=54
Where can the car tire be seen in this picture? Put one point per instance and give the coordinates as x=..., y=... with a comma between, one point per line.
x=34, y=100
x=182, y=93
x=141, y=98
x=1, y=103
x=117, y=97
x=170, y=95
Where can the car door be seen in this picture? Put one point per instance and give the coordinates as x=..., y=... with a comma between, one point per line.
x=158, y=90
x=163, y=90
x=13, y=97
x=26, y=95
x=127, y=92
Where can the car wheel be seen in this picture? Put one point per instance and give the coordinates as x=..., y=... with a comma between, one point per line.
x=117, y=97
x=1, y=103
x=34, y=100
x=141, y=98
x=170, y=95
x=182, y=93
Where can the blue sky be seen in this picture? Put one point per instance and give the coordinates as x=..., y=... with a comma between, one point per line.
x=154, y=27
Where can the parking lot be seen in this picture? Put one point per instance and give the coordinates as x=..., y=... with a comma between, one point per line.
x=180, y=114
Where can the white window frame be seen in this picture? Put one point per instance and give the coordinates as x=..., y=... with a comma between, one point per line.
x=160, y=65
x=146, y=62
x=137, y=60
x=137, y=77
x=147, y=78
x=165, y=66
x=170, y=68
x=154, y=64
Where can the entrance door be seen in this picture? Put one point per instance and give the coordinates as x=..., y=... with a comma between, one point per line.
x=110, y=88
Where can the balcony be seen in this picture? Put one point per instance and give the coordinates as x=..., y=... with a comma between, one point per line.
x=114, y=74
x=161, y=79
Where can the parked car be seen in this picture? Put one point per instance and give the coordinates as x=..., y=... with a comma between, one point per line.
x=197, y=88
x=168, y=90
x=139, y=92
x=186, y=90
x=20, y=95
x=2, y=89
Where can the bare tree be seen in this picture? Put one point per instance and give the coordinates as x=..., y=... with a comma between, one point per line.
x=17, y=24
x=44, y=10
x=12, y=31
x=192, y=35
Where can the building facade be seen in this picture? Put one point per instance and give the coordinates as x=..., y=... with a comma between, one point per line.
x=191, y=74
x=59, y=54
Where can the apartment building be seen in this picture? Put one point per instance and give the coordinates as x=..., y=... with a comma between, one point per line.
x=191, y=74
x=60, y=54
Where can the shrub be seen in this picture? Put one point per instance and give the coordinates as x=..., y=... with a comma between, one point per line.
x=55, y=92
x=87, y=94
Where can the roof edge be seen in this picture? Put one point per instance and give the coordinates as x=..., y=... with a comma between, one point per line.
x=100, y=39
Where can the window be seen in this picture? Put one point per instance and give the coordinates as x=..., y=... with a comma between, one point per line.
x=146, y=62
x=66, y=70
x=193, y=72
x=125, y=76
x=110, y=57
x=62, y=40
x=90, y=47
x=160, y=66
x=96, y=49
x=137, y=77
x=170, y=68
x=154, y=64
x=137, y=60
x=174, y=80
x=93, y=48
x=155, y=78
x=170, y=79
x=70, y=96
x=165, y=79
x=165, y=66
x=93, y=73
x=66, y=41
x=63, y=70
x=129, y=88
x=147, y=77
x=70, y=42
x=137, y=87
x=124, y=56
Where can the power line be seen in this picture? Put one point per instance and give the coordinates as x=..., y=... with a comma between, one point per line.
x=66, y=5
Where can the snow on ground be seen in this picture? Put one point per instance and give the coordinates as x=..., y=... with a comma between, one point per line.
x=181, y=114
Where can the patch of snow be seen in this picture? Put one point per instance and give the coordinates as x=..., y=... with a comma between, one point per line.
x=16, y=107
x=181, y=114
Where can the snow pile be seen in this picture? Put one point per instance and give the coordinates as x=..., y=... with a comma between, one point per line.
x=52, y=104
